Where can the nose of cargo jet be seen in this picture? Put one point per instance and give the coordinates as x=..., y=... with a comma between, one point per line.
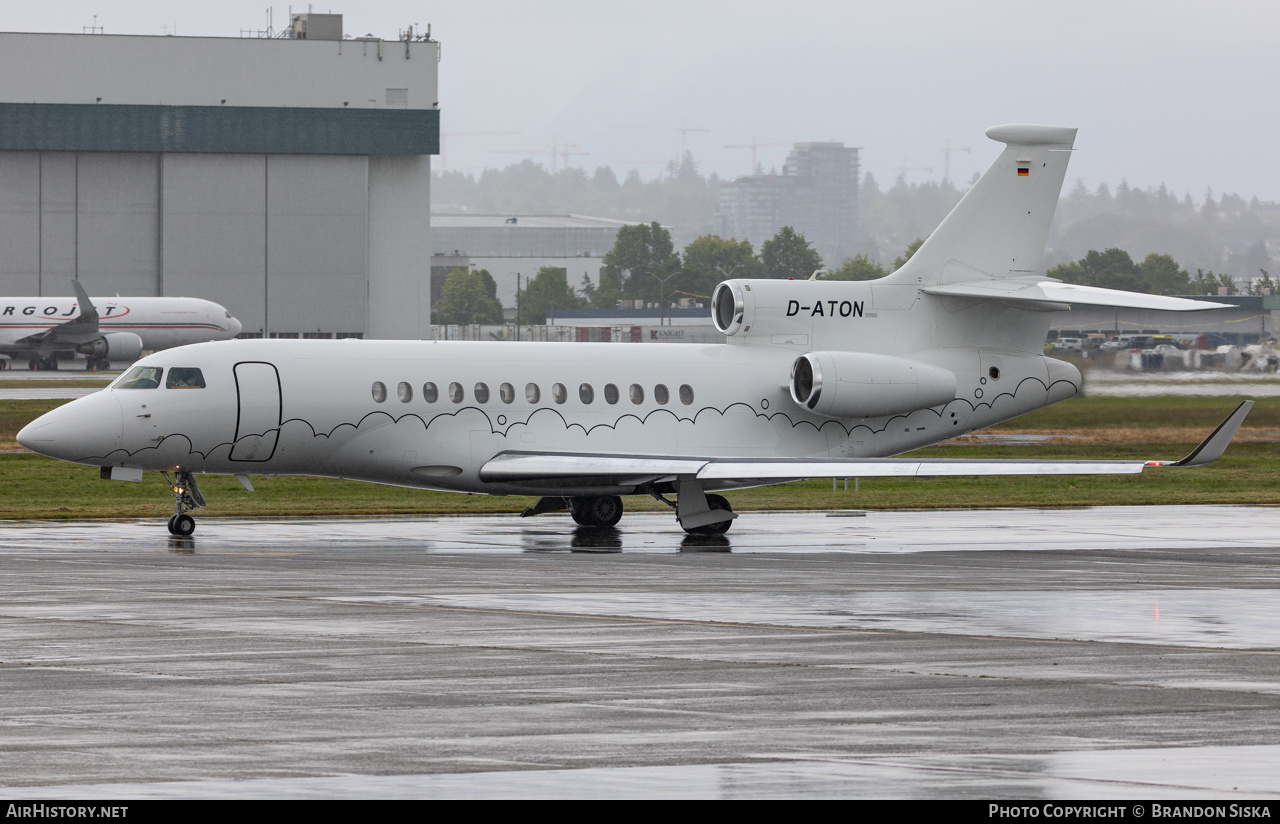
x=89, y=427
x=234, y=326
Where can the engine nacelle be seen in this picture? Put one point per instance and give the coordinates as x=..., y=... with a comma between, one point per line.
x=121, y=346
x=862, y=385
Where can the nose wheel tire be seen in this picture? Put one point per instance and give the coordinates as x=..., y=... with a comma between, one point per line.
x=605, y=510
x=182, y=525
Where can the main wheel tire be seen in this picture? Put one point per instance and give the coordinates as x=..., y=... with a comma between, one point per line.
x=33, y=365
x=716, y=502
x=604, y=510
x=182, y=525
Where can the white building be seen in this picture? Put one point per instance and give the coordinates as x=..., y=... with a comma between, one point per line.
x=511, y=245
x=286, y=178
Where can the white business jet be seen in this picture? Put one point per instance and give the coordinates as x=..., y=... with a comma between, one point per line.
x=817, y=379
x=107, y=329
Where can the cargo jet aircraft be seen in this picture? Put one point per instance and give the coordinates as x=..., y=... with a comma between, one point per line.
x=817, y=379
x=112, y=329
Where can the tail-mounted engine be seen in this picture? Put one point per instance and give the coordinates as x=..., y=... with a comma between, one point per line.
x=861, y=385
x=120, y=346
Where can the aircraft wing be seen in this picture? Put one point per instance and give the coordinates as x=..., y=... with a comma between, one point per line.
x=80, y=328
x=516, y=467
x=1056, y=292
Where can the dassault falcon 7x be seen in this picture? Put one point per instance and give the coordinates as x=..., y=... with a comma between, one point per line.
x=107, y=329
x=816, y=379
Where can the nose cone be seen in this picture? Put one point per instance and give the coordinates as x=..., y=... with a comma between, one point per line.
x=87, y=428
x=234, y=326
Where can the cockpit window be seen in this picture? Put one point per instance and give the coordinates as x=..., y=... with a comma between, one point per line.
x=185, y=377
x=141, y=377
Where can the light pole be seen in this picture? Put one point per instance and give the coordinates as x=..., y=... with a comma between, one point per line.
x=662, y=284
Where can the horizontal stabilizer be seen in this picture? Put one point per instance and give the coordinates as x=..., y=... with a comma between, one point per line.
x=1051, y=291
x=518, y=467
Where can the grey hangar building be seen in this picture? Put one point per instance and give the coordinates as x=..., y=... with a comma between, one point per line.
x=287, y=178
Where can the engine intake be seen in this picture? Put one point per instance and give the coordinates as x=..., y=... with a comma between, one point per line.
x=728, y=307
x=862, y=385
x=123, y=346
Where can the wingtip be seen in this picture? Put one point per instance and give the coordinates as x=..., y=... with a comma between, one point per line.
x=1212, y=447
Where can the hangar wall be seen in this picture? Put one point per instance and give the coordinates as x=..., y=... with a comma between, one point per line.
x=304, y=209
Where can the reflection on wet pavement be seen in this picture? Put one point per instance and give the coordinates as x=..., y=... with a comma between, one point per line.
x=1118, y=527
x=1236, y=773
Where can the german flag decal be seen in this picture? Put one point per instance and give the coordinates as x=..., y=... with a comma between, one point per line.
x=1023, y=171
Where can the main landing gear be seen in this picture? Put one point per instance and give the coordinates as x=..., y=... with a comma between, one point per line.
x=697, y=512
x=43, y=364
x=605, y=510
x=187, y=497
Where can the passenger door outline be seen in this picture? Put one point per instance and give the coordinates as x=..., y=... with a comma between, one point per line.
x=259, y=405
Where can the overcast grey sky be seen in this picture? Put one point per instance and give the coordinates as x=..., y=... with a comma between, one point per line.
x=1174, y=92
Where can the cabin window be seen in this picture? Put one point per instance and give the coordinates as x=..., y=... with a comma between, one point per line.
x=586, y=394
x=455, y=392
x=482, y=393
x=532, y=393
x=430, y=393
x=686, y=394
x=379, y=391
x=558, y=393
x=661, y=395
x=507, y=393
x=404, y=392
x=610, y=393
x=637, y=393
x=185, y=377
x=141, y=377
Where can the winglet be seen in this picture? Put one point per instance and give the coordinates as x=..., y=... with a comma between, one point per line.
x=88, y=312
x=1212, y=447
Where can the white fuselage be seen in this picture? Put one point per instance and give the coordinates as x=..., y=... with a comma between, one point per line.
x=364, y=409
x=160, y=322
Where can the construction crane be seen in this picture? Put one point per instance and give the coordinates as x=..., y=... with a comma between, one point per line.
x=753, y=145
x=946, y=160
x=903, y=169
x=444, y=142
x=684, y=137
x=563, y=150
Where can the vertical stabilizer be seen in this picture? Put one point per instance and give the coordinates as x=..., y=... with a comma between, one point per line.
x=999, y=228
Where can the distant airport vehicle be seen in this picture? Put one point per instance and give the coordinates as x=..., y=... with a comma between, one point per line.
x=817, y=379
x=109, y=329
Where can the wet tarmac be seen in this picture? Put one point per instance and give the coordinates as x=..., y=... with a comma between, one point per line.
x=1119, y=652
x=1249, y=384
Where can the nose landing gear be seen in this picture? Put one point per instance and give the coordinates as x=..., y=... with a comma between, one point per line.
x=187, y=496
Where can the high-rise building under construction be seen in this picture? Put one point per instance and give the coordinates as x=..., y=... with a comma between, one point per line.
x=816, y=194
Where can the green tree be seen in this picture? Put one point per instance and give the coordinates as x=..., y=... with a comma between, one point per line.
x=859, y=267
x=468, y=297
x=914, y=247
x=547, y=290
x=1112, y=269
x=1163, y=276
x=1206, y=283
x=1263, y=285
x=788, y=255
x=587, y=290
x=641, y=261
x=711, y=259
